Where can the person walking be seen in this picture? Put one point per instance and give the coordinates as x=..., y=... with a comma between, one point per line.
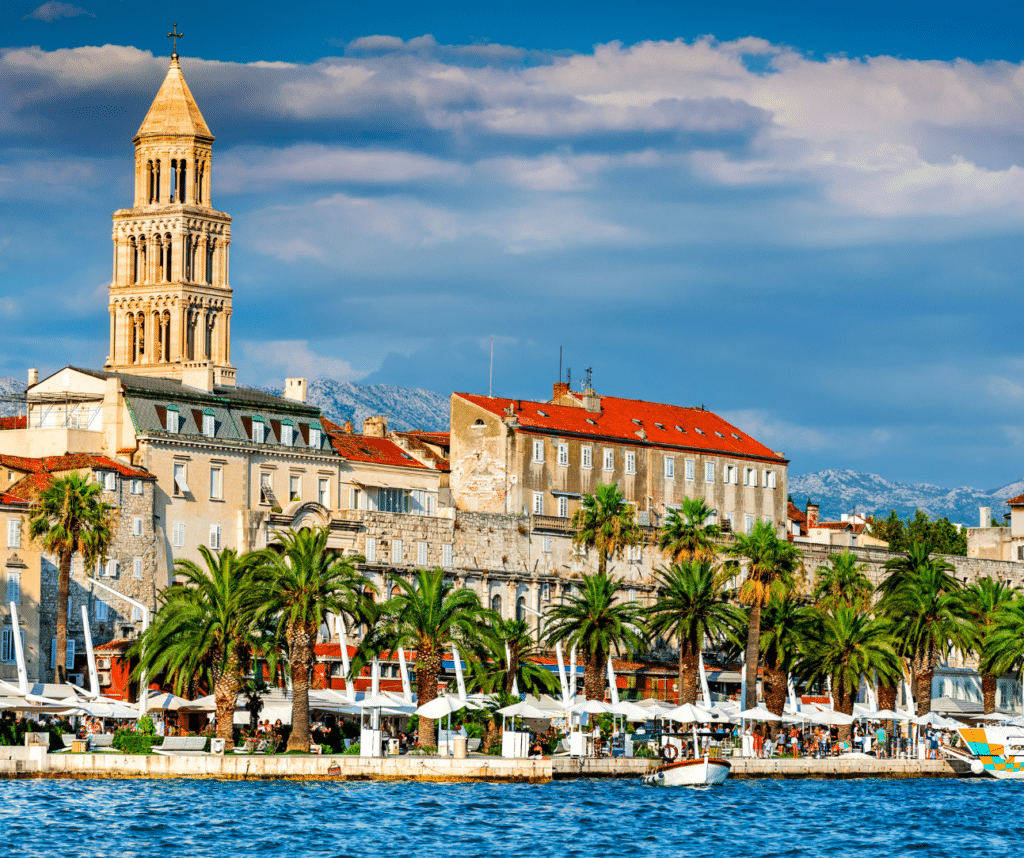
x=794, y=741
x=758, y=742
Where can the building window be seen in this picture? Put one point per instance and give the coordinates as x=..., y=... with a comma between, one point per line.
x=431, y=504
x=496, y=604
x=215, y=537
x=729, y=522
x=266, y=488
x=353, y=498
x=396, y=551
x=750, y=523
x=173, y=420
x=632, y=594
x=100, y=611
x=563, y=507
x=769, y=479
x=137, y=568
x=670, y=467
x=634, y=554
x=70, y=663
x=421, y=553
x=112, y=569
x=136, y=487
x=287, y=434
x=259, y=430
x=521, y=608
x=419, y=501
x=750, y=476
x=209, y=425
x=217, y=483
x=181, y=480
x=136, y=614
x=587, y=458
x=109, y=481
x=446, y=556
x=545, y=592
x=538, y=503
x=609, y=459
x=14, y=533
x=563, y=453
x=393, y=500
x=8, y=653
x=538, y=452
x=178, y=534
x=137, y=526
x=547, y=546
x=14, y=587
x=689, y=470
x=709, y=472
x=371, y=549
x=293, y=487
x=314, y=437
x=630, y=462
x=323, y=492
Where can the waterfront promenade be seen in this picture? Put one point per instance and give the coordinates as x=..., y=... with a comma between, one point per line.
x=31, y=763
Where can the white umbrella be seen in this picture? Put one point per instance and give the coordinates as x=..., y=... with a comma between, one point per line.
x=441, y=706
x=933, y=719
x=524, y=709
x=759, y=713
x=829, y=717
x=202, y=704
x=167, y=702
x=690, y=713
x=997, y=717
x=591, y=707
x=630, y=711
x=888, y=715
x=377, y=701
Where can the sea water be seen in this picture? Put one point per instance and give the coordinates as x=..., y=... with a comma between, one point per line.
x=171, y=818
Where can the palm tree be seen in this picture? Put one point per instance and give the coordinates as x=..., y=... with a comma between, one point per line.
x=844, y=645
x=692, y=605
x=982, y=604
x=686, y=535
x=784, y=623
x=907, y=566
x=771, y=566
x=206, y=630
x=509, y=658
x=1004, y=648
x=843, y=582
x=70, y=518
x=926, y=617
x=598, y=625
x=427, y=615
x=606, y=523
x=308, y=582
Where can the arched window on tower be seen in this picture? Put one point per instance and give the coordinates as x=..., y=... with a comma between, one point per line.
x=208, y=345
x=168, y=271
x=166, y=331
x=140, y=336
x=200, y=181
x=182, y=176
x=133, y=261
x=129, y=330
x=174, y=179
x=156, y=183
x=187, y=258
x=141, y=273
x=191, y=333
x=151, y=178
x=211, y=246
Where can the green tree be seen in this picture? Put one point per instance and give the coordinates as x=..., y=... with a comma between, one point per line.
x=843, y=646
x=509, y=657
x=428, y=615
x=983, y=604
x=1004, y=647
x=843, y=582
x=692, y=605
x=598, y=624
x=606, y=523
x=784, y=622
x=771, y=565
x=206, y=630
x=308, y=582
x=686, y=535
x=70, y=517
x=940, y=533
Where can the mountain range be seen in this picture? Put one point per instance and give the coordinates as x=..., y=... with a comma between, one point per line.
x=844, y=491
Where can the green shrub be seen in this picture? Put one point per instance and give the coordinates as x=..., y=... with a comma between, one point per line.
x=352, y=749
x=135, y=743
x=145, y=726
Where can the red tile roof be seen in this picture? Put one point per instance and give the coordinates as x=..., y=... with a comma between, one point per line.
x=1017, y=501
x=114, y=646
x=667, y=426
x=841, y=525
x=424, y=443
x=10, y=499
x=71, y=462
x=13, y=423
x=794, y=514
x=364, y=448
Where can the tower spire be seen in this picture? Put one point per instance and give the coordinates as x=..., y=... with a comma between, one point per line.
x=174, y=34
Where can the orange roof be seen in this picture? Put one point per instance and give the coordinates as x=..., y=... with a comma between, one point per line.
x=120, y=645
x=793, y=513
x=841, y=525
x=1017, y=501
x=71, y=462
x=10, y=499
x=364, y=448
x=632, y=421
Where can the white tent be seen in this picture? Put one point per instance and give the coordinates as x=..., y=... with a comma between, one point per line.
x=441, y=706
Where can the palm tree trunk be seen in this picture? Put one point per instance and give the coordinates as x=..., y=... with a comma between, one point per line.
x=492, y=735
x=989, y=682
x=689, y=665
x=593, y=675
x=513, y=666
x=924, y=690
x=63, y=589
x=602, y=563
x=776, y=689
x=844, y=703
x=753, y=649
x=225, y=693
x=428, y=668
x=886, y=696
x=300, y=646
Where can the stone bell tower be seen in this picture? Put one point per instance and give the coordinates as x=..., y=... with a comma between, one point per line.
x=170, y=299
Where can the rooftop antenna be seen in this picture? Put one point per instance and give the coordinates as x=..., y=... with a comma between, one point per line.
x=568, y=377
x=490, y=380
x=589, y=381
x=174, y=34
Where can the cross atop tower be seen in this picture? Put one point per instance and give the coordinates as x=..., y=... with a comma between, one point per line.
x=174, y=34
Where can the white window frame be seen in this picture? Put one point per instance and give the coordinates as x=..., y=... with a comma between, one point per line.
x=689, y=471
x=421, y=554
x=709, y=472
x=8, y=653
x=587, y=457
x=137, y=568
x=109, y=481
x=354, y=497
x=769, y=479
x=178, y=534
x=13, y=587
x=630, y=462
x=563, y=454
x=670, y=467
x=100, y=610
x=70, y=661
x=371, y=549
x=137, y=526
x=215, y=538
x=181, y=479
x=294, y=487
x=259, y=432
x=314, y=438
x=563, y=506
x=538, y=452
x=546, y=546
x=608, y=459
x=136, y=487
x=419, y=501
x=323, y=491
x=210, y=425
x=14, y=533
x=173, y=421
x=538, y=503
x=447, y=555
x=216, y=482
x=287, y=435
x=112, y=568
x=750, y=477
x=431, y=503
x=397, y=550
x=748, y=521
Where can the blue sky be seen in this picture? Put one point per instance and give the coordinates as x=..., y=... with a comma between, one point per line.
x=808, y=220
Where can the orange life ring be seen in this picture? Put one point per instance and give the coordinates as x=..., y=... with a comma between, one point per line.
x=669, y=753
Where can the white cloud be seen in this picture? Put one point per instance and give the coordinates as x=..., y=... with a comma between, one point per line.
x=54, y=10
x=296, y=360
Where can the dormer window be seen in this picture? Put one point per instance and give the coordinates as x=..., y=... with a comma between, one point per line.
x=314, y=437
x=680, y=429
x=699, y=431
x=591, y=422
x=259, y=430
x=660, y=425
x=209, y=423
x=173, y=419
x=719, y=434
x=542, y=414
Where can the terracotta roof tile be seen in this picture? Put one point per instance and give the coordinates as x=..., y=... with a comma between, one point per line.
x=1017, y=501
x=363, y=448
x=11, y=499
x=13, y=423
x=623, y=421
x=794, y=514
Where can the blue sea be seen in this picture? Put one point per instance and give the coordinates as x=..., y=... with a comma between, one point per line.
x=191, y=818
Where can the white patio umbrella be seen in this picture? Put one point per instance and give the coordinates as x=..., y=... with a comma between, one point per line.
x=202, y=704
x=591, y=707
x=167, y=702
x=996, y=717
x=524, y=709
x=690, y=713
x=759, y=713
x=441, y=706
x=630, y=711
x=829, y=717
x=889, y=715
x=932, y=719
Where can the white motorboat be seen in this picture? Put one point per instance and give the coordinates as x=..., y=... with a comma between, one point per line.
x=999, y=751
x=701, y=772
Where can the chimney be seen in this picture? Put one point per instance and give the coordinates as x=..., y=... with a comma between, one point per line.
x=561, y=388
x=591, y=401
x=33, y=377
x=812, y=514
x=985, y=514
x=295, y=388
x=198, y=374
x=376, y=426
x=348, y=428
